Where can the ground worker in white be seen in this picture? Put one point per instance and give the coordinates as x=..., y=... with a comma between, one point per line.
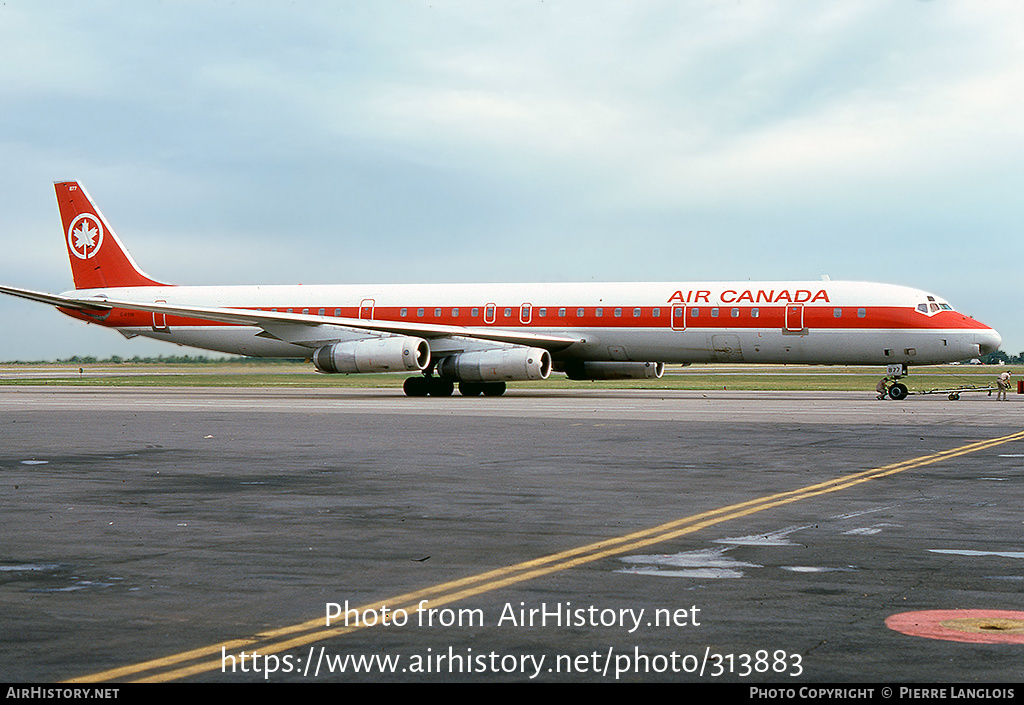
x=1003, y=383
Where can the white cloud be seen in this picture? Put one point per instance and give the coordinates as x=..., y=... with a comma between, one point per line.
x=841, y=129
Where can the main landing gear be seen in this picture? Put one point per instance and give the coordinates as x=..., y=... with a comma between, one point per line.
x=423, y=386
x=488, y=389
x=429, y=385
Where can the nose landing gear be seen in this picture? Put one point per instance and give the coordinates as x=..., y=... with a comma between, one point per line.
x=898, y=391
x=890, y=386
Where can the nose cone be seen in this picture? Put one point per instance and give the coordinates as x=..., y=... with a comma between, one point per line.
x=988, y=341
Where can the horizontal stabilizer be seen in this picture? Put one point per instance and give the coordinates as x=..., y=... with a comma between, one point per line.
x=54, y=299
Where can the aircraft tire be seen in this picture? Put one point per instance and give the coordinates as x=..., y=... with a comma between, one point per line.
x=898, y=392
x=416, y=387
x=494, y=389
x=440, y=387
x=471, y=389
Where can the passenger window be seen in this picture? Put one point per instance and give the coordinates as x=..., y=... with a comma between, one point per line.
x=455, y=313
x=837, y=313
x=861, y=312
x=403, y=313
x=618, y=313
x=655, y=313
x=714, y=313
x=755, y=312
x=735, y=313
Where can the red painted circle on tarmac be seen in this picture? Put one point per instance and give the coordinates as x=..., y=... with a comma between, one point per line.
x=974, y=626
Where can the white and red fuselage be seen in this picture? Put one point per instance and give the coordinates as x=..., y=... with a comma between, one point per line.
x=479, y=334
x=816, y=322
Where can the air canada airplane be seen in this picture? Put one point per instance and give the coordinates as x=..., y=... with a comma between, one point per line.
x=481, y=336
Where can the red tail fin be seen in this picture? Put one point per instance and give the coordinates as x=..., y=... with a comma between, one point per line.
x=98, y=259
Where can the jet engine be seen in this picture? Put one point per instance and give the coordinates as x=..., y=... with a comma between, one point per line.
x=391, y=354
x=580, y=370
x=504, y=364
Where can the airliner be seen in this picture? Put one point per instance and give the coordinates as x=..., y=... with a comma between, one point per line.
x=481, y=336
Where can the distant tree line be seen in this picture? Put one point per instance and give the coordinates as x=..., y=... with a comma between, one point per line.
x=999, y=356
x=158, y=360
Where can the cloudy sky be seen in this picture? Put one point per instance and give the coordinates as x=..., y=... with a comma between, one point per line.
x=437, y=141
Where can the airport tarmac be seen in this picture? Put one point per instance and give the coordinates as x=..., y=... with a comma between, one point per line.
x=548, y=535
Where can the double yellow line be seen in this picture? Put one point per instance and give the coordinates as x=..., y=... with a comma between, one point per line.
x=209, y=658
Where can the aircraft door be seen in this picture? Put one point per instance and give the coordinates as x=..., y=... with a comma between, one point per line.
x=795, y=317
x=160, y=320
x=525, y=313
x=366, y=309
x=679, y=317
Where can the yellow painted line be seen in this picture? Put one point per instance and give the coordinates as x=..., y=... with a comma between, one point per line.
x=277, y=640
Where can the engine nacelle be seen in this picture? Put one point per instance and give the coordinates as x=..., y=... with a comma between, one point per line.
x=391, y=354
x=504, y=364
x=580, y=370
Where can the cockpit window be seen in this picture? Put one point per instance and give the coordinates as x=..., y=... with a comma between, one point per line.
x=933, y=307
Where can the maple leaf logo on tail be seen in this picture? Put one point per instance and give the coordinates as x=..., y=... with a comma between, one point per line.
x=98, y=259
x=85, y=235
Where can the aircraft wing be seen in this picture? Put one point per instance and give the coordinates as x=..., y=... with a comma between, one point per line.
x=302, y=329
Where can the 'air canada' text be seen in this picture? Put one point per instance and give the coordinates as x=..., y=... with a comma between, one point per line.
x=767, y=296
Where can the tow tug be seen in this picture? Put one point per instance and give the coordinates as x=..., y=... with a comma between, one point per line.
x=898, y=391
